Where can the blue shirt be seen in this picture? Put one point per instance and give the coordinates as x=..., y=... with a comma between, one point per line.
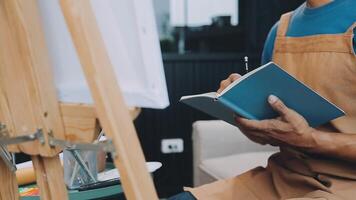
x=332, y=18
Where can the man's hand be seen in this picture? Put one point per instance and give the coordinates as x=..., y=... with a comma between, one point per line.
x=224, y=83
x=289, y=129
x=252, y=135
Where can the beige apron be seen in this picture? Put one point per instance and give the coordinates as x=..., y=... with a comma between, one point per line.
x=326, y=63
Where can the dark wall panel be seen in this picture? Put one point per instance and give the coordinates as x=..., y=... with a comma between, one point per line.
x=185, y=75
x=192, y=74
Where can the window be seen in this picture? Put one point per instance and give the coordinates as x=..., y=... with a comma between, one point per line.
x=201, y=12
x=197, y=26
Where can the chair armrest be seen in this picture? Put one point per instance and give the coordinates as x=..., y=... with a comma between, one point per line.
x=216, y=138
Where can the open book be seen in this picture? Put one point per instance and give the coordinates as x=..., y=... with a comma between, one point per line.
x=248, y=95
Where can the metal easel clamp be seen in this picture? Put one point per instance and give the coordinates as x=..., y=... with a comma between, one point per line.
x=106, y=146
x=6, y=140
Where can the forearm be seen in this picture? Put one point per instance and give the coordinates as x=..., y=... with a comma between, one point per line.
x=337, y=145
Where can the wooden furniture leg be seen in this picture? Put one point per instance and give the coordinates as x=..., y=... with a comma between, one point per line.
x=110, y=107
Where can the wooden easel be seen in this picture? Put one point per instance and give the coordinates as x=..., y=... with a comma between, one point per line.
x=28, y=100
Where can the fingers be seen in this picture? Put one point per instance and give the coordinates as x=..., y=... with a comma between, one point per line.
x=252, y=124
x=255, y=136
x=263, y=132
x=286, y=113
x=260, y=137
x=224, y=83
x=233, y=77
x=278, y=105
x=269, y=126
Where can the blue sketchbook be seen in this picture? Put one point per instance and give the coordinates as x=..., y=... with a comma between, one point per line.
x=248, y=95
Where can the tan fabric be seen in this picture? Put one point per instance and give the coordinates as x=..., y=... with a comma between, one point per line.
x=327, y=64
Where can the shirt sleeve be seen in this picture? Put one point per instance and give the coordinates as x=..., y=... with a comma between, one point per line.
x=269, y=45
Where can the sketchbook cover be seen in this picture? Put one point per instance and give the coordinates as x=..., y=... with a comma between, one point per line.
x=247, y=97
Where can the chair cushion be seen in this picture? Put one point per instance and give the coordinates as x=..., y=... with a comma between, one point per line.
x=233, y=165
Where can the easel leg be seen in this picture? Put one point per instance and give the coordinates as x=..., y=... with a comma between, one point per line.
x=9, y=188
x=49, y=175
x=108, y=100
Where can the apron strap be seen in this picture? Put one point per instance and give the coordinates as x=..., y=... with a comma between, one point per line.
x=283, y=24
x=351, y=29
x=350, y=32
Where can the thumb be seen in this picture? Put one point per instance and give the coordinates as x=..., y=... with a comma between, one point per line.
x=278, y=105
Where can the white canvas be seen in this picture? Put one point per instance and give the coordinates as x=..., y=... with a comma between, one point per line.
x=129, y=32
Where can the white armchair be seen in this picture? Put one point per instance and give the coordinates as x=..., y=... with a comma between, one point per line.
x=221, y=151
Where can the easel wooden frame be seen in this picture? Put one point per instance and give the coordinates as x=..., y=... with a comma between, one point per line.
x=27, y=51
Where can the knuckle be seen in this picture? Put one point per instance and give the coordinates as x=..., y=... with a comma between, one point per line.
x=281, y=107
x=273, y=125
x=299, y=124
x=248, y=126
x=234, y=76
x=244, y=125
x=223, y=83
x=266, y=127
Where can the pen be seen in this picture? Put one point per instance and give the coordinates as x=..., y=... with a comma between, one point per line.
x=246, y=63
